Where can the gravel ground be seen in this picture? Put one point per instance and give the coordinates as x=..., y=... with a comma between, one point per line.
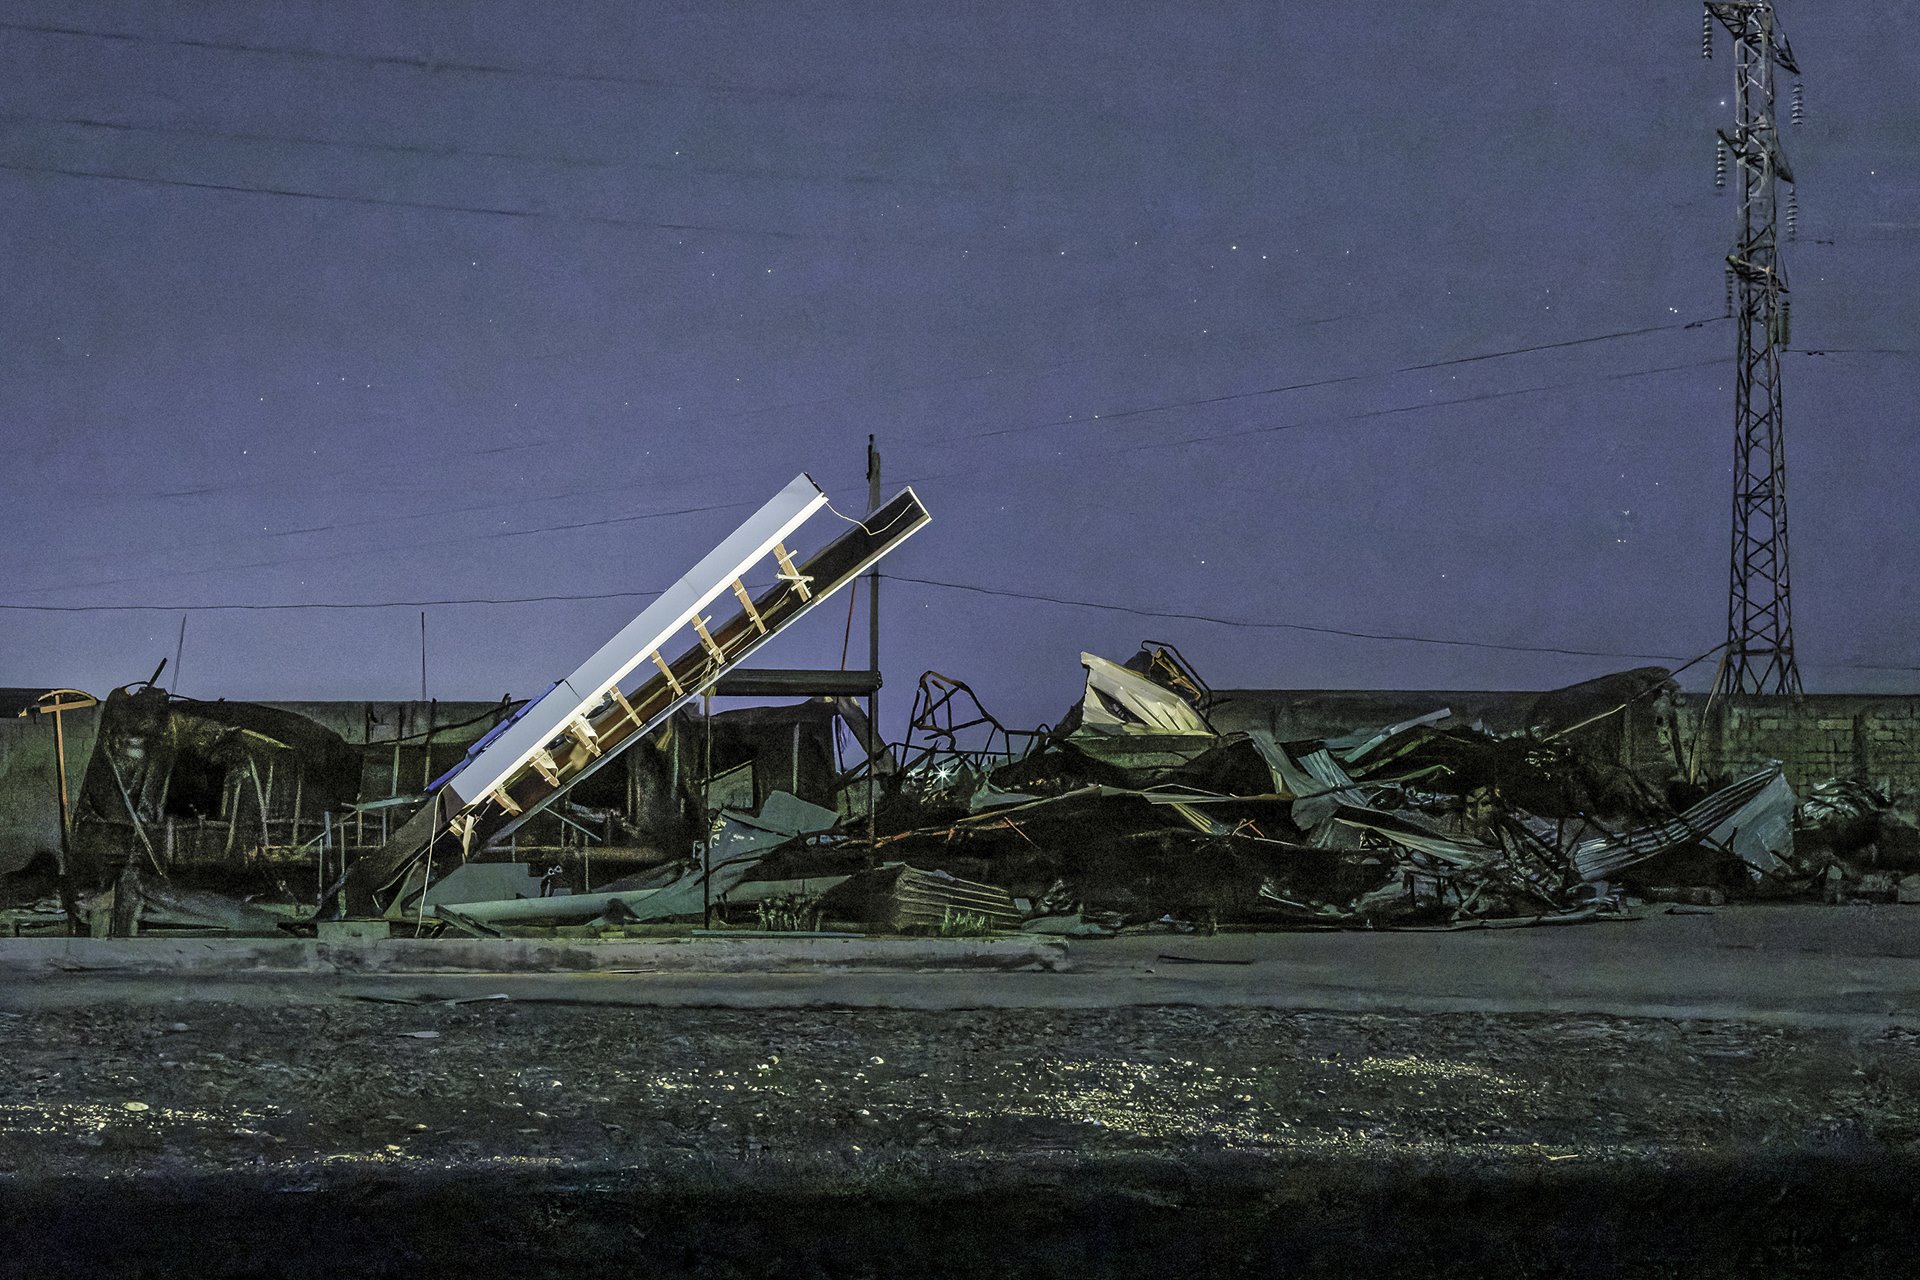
x=116, y=1099
x=120, y=1090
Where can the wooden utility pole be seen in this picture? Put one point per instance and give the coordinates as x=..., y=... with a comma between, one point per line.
x=56, y=702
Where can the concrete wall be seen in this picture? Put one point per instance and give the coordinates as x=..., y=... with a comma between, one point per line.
x=1873, y=737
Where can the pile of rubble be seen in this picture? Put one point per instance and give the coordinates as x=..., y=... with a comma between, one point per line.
x=1137, y=812
x=1140, y=811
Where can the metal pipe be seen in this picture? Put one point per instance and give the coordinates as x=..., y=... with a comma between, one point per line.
x=567, y=908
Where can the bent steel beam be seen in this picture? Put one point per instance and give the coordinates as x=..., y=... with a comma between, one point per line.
x=589, y=718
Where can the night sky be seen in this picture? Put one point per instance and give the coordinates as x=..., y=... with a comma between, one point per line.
x=406, y=301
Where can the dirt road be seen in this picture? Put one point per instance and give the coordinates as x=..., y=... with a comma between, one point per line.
x=1046, y=1124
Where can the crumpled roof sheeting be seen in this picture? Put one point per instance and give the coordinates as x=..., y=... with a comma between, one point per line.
x=1312, y=779
x=1122, y=701
x=1753, y=817
x=1356, y=746
x=1408, y=835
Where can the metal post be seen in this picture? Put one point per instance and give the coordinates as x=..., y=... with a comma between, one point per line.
x=426, y=749
x=874, y=738
x=706, y=816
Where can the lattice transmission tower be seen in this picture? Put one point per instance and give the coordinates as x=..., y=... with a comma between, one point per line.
x=1759, y=615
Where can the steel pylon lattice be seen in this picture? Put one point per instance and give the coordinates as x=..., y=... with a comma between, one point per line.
x=1760, y=656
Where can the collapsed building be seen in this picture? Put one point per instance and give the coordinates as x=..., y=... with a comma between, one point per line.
x=1156, y=802
x=610, y=803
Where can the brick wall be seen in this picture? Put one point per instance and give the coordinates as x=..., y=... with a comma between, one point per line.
x=1869, y=736
x=1875, y=737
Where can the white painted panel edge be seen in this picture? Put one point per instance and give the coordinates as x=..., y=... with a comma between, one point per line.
x=582, y=691
x=752, y=644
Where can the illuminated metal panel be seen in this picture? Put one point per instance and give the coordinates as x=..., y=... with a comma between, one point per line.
x=677, y=606
x=582, y=735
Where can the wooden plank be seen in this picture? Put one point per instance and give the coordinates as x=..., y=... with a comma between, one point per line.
x=746, y=602
x=707, y=641
x=665, y=670
x=800, y=582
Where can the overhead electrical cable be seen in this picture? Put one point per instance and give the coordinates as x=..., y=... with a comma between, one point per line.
x=1231, y=397
x=1256, y=625
x=388, y=202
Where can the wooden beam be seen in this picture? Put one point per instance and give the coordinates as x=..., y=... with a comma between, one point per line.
x=706, y=639
x=583, y=733
x=746, y=602
x=621, y=698
x=801, y=583
x=544, y=765
x=666, y=671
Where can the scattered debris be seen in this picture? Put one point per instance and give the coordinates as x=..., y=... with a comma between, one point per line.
x=1173, y=959
x=1145, y=810
x=1695, y=896
x=897, y=898
x=1138, y=813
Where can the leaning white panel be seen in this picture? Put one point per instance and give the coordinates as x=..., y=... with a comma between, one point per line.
x=584, y=690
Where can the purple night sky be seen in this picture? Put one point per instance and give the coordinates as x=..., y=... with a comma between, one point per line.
x=402, y=300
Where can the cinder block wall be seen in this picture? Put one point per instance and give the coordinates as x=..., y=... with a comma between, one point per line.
x=1874, y=737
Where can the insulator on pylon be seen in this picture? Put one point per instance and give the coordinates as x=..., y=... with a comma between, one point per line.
x=1783, y=322
x=1719, y=162
x=1706, y=36
x=1799, y=103
x=1793, y=214
x=1729, y=293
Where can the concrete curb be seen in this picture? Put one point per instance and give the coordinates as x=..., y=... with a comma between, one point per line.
x=42, y=958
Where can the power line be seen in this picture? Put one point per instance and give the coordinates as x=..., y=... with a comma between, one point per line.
x=408, y=63
x=876, y=242
x=1277, y=626
x=320, y=604
x=322, y=557
x=490, y=601
x=234, y=188
x=607, y=521
x=478, y=153
x=1429, y=404
x=442, y=65
x=617, y=520
x=1231, y=397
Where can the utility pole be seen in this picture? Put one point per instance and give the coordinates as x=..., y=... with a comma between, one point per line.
x=706, y=812
x=56, y=702
x=874, y=739
x=1759, y=615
